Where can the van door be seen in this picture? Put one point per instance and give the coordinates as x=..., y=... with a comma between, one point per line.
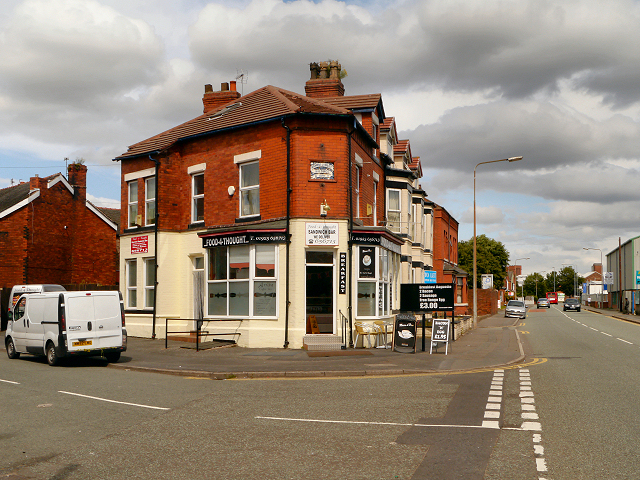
x=34, y=329
x=18, y=325
x=93, y=321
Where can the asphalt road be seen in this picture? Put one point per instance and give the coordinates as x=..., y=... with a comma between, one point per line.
x=586, y=393
x=568, y=412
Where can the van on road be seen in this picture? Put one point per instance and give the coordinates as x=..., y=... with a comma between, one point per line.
x=65, y=324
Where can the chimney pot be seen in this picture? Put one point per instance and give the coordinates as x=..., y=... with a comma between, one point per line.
x=224, y=87
x=208, y=88
x=232, y=85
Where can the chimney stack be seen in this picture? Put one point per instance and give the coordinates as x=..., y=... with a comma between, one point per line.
x=77, y=175
x=214, y=100
x=324, y=80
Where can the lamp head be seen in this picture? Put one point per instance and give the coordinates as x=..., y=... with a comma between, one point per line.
x=514, y=159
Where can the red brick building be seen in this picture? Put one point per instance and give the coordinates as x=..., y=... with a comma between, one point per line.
x=265, y=215
x=445, y=256
x=50, y=233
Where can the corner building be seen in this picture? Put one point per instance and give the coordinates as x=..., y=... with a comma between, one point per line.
x=263, y=217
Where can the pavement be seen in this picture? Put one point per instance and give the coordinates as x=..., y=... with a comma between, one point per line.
x=495, y=343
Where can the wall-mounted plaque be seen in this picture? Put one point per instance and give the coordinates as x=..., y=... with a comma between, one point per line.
x=322, y=171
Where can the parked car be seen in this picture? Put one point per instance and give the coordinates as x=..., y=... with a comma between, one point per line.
x=544, y=302
x=515, y=308
x=571, y=304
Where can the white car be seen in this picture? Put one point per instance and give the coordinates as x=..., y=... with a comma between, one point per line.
x=515, y=308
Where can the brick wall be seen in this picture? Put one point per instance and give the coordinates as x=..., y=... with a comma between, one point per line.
x=487, y=301
x=57, y=239
x=312, y=140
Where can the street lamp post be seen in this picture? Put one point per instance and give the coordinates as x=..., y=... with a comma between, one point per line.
x=554, y=278
x=475, y=269
x=601, y=274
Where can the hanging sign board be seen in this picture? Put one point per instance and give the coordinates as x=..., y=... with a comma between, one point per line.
x=426, y=297
x=404, y=333
x=440, y=333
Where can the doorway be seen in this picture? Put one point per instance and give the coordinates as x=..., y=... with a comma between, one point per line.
x=319, y=290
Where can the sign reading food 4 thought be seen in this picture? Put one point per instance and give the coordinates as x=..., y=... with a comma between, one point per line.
x=322, y=234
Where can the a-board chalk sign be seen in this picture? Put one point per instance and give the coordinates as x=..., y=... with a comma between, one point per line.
x=404, y=333
x=440, y=333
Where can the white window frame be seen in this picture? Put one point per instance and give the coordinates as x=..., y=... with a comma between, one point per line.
x=195, y=197
x=148, y=263
x=397, y=228
x=149, y=200
x=358, y=174
x=252, y=280
x=132, y=204
x=242, y=160
x=375, y=202
x=384, y=281
x=132, y=287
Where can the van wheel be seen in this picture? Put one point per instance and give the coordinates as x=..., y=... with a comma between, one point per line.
x=52, y=358
x=11, y=349
x=112, y=357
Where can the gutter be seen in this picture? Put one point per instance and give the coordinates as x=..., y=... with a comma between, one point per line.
x=288, y=238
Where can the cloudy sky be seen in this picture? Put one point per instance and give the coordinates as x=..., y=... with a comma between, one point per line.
x=467, y=81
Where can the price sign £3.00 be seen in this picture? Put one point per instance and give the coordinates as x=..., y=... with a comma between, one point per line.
x=425, y=297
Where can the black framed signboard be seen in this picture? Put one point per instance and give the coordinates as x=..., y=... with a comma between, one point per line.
x=426, y=297
x=404, y=333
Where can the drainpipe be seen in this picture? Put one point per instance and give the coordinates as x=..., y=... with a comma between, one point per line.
x=350, y=262
x=288, y=240
x=155, y=249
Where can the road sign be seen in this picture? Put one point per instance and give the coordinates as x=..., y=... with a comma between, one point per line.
x=425, y=297
x=487, y=281
x=608, y=278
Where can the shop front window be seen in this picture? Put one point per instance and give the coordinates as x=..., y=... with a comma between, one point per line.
x=237, y=284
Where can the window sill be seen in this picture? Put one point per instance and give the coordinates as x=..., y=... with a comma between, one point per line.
x=144, y=229
x=251, y=218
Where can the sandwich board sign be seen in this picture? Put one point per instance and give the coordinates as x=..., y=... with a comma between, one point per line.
x=440, y=333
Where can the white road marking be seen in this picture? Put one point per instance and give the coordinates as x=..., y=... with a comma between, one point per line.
x=541, y=465
x=113, y=401
x=355, y=422
x=607, y=334
x=622, y=340
x=9, y=381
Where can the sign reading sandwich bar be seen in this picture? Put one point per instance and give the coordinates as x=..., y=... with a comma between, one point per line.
x=426, y=297
x=244, y=238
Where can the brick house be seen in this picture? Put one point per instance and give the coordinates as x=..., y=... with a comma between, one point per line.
x=445, y=257
x=265, y=215
x=50, y=233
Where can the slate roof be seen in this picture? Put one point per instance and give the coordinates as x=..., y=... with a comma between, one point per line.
x=112, y=214
x=264, y=104
x=12, y=195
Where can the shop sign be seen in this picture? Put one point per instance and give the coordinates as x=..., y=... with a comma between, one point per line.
x=139, y=245
x=343, y=273
x=367, y=262
x=425, y=297
x=243, y=239
x=322, y=234
x=430, y=276
x=375, y=239
x=404, y=333
x=322, y=171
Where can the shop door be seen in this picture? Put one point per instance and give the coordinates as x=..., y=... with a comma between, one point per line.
x=319, y=285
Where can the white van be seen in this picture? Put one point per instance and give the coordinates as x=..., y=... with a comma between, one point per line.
x=64, y=324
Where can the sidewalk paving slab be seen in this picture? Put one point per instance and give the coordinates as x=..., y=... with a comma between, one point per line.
x=493, y=344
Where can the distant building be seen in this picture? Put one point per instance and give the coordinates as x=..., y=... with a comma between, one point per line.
x=51, y=233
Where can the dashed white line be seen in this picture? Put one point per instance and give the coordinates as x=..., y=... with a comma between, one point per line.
x=113, y=401
x=607, y=334
x=9, y=381
x=623, y=340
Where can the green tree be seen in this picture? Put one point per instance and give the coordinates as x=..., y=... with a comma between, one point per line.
x=568, y=281
x=535, y=283
x=492, y=257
